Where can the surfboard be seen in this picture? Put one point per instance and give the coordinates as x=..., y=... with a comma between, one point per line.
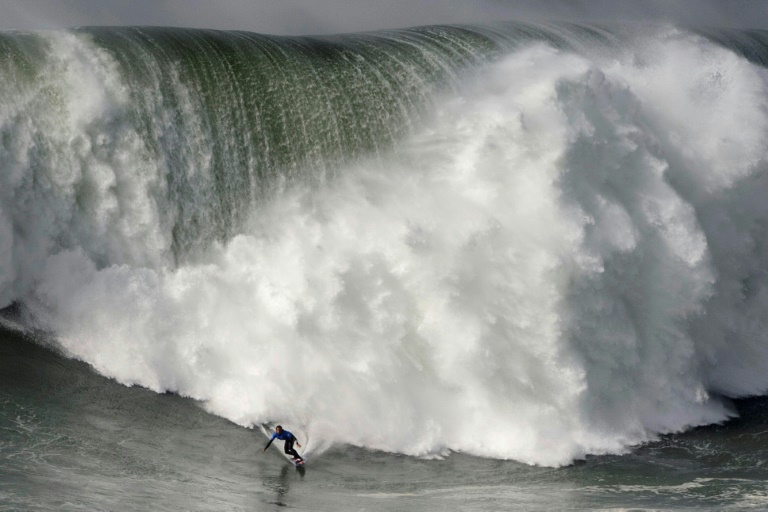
x=268, y=429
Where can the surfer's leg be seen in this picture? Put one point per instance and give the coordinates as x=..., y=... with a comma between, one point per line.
x=289, y=449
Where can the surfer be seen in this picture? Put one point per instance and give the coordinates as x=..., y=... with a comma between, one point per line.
x=289, y=439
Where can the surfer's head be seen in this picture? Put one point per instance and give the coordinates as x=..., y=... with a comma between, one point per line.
x=278, y=429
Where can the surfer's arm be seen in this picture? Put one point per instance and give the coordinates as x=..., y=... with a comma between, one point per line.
x=270, y=442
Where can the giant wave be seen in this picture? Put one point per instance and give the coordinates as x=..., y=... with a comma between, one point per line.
x=524, y=242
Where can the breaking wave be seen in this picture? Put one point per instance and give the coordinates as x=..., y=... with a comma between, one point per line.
x=525, y=242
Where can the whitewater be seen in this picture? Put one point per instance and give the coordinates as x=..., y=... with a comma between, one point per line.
x=520, y=242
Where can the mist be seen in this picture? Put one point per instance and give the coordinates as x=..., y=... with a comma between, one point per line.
x=295, y=17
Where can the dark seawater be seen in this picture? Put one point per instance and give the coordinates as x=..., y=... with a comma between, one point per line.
x=503, y=267
x=73, y=440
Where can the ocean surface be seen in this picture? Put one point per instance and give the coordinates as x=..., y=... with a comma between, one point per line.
x=500, y=267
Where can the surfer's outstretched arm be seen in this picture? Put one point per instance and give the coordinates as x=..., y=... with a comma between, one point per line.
x=269, y=443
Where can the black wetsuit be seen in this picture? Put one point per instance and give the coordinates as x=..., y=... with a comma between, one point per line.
x=289, y=439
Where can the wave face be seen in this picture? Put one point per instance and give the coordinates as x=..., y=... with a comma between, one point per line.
x=526, y=242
